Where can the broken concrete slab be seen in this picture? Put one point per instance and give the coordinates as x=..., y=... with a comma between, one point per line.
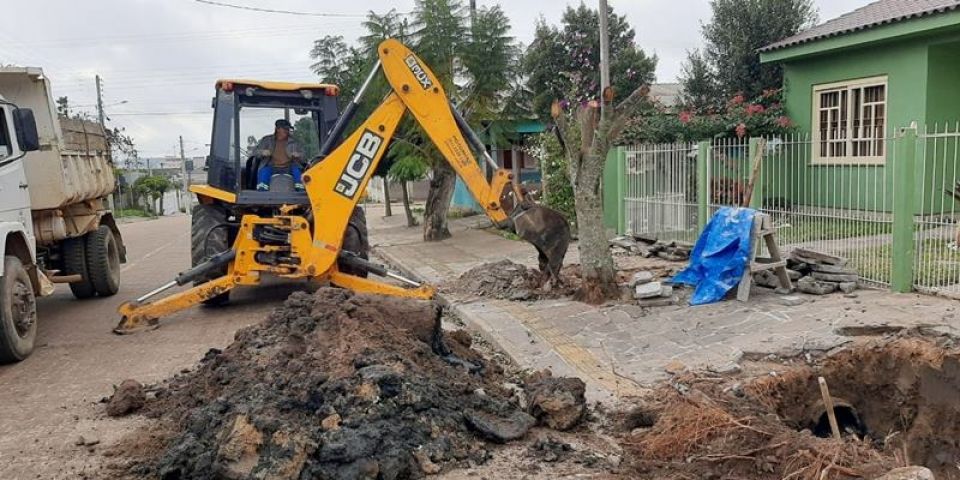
x=815, y=287
x=806, y=255
x=658, y=302
x=792, y=300
x=641, y=277
x=666, y=291
x=847, y=287
x=827, y=268
x=647, y=290
x=834, y=277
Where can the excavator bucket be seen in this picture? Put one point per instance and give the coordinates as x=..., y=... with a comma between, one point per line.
x=549, y=232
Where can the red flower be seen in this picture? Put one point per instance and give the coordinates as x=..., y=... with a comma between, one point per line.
x=737, y=99
x=741, y=130
x=754, y=108
x=784, y=121
x=771, y=92
x=686, y=116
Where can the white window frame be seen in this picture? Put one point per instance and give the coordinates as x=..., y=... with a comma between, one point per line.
x=847, y=140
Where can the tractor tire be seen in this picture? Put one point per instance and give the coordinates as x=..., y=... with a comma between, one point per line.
x=74, y=252
x=209, y=235
x=18, y=312
x=355, y=240
x=103, y=261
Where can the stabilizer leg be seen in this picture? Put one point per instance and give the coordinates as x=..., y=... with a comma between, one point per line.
x=366, y=285
x=142, y=316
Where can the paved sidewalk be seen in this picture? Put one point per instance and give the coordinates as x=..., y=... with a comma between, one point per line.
x=618, y=349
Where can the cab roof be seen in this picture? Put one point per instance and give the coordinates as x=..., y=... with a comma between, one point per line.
x=329, y=89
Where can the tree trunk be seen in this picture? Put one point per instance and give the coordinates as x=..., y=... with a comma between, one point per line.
x=598, y=273
x=387, y=208
x=438, y=203
x=161, y=211
x=411, y=220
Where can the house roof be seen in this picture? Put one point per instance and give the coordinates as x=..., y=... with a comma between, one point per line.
x=667, y=94
x=878, y=13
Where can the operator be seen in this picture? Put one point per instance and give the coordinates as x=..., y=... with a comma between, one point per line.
x=284, y=154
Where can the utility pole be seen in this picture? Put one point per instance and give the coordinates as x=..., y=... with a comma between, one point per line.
x=473, y=13
x=100, y=114
x=604, y=53
x=186, y=177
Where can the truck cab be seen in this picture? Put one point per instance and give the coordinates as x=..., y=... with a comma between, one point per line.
x=19, y=279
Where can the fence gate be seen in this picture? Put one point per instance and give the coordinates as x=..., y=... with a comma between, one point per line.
x=660, y=197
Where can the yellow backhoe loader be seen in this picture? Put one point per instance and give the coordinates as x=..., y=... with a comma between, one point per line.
x=316, y=232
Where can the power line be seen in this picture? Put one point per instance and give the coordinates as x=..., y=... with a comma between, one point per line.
x=285, y=12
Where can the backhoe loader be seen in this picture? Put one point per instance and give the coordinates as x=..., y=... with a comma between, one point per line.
x=318, y=234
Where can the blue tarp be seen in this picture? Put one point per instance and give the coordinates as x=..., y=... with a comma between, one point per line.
x=720, y=255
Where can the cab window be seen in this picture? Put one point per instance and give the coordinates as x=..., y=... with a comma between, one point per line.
x=6, y=146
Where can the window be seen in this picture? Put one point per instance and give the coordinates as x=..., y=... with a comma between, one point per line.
x=849, y=120
x=6, y=147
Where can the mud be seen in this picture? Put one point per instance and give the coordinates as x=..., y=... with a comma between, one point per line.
x=896, y=402
x=332, y=385
x=128, y=398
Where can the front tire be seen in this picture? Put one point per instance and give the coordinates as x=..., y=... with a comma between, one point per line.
x=209, y=235
x=18, y=312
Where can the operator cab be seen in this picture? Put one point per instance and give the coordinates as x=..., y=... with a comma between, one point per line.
x=245, y=111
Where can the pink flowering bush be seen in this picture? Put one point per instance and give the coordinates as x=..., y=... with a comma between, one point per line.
x=761, y=116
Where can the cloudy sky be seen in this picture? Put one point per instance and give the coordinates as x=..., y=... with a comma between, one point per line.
x=159, y=58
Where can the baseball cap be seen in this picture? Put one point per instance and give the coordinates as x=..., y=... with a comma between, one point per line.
x=283, y=123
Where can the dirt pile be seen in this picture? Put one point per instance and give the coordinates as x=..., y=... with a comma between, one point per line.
x=507, y=280
x=896, y=402
x=334, y=385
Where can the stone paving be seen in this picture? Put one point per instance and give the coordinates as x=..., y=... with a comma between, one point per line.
x=618, y=349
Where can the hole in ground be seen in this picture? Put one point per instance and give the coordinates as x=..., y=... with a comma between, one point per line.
x=902, y=396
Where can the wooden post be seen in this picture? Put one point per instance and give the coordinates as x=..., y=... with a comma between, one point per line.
x=828, y=405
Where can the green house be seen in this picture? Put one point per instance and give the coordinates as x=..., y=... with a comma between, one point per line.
x=850, y=82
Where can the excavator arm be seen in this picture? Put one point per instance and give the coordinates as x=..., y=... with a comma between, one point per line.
x=335, y=184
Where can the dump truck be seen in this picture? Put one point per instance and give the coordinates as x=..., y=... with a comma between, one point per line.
x=56, y=175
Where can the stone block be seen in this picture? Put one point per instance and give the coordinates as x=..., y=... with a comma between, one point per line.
x=647, y=290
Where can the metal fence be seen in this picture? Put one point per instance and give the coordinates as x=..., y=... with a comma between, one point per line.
x=937, y=265
x=893, y=214
x=660, y=191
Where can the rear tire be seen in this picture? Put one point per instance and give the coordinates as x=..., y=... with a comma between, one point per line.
x=103, y=261
x=18, y=312
x=74, y=252
x=209, y=235
x=355, y=240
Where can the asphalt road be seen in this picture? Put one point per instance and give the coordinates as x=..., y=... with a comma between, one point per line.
x=50, y=399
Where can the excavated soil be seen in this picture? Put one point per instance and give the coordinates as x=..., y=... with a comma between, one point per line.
x=508, y=280
x=332, y=385
x=897, y=402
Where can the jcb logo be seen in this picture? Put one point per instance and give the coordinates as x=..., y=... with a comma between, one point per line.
x=418, y=71
x=358, y=165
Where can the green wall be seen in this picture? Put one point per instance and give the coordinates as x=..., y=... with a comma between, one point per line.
x=943, y=84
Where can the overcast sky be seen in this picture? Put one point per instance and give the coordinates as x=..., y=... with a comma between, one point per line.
x=161, y=57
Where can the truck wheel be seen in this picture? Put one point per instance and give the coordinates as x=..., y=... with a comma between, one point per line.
x=209, y=236
x=75, y=262
x=103, y=261
x=18, y=312
x=355, y=240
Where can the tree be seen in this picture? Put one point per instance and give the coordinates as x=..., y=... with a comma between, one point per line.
x=739, y=28
x=153, y=187
x=63, y=107
x=699, y=85
x=565, y=62
x=586, y=143
x=409, y=167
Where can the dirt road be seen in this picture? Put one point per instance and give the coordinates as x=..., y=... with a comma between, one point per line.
x=49, y=400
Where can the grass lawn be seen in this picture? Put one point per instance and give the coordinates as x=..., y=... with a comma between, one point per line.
x=938, y=265
x=804, y=228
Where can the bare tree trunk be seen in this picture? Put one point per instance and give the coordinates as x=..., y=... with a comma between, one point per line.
x=598, y=273
x=411, y=220
x=586, y=146
x=438, y=203
x=387, y=208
